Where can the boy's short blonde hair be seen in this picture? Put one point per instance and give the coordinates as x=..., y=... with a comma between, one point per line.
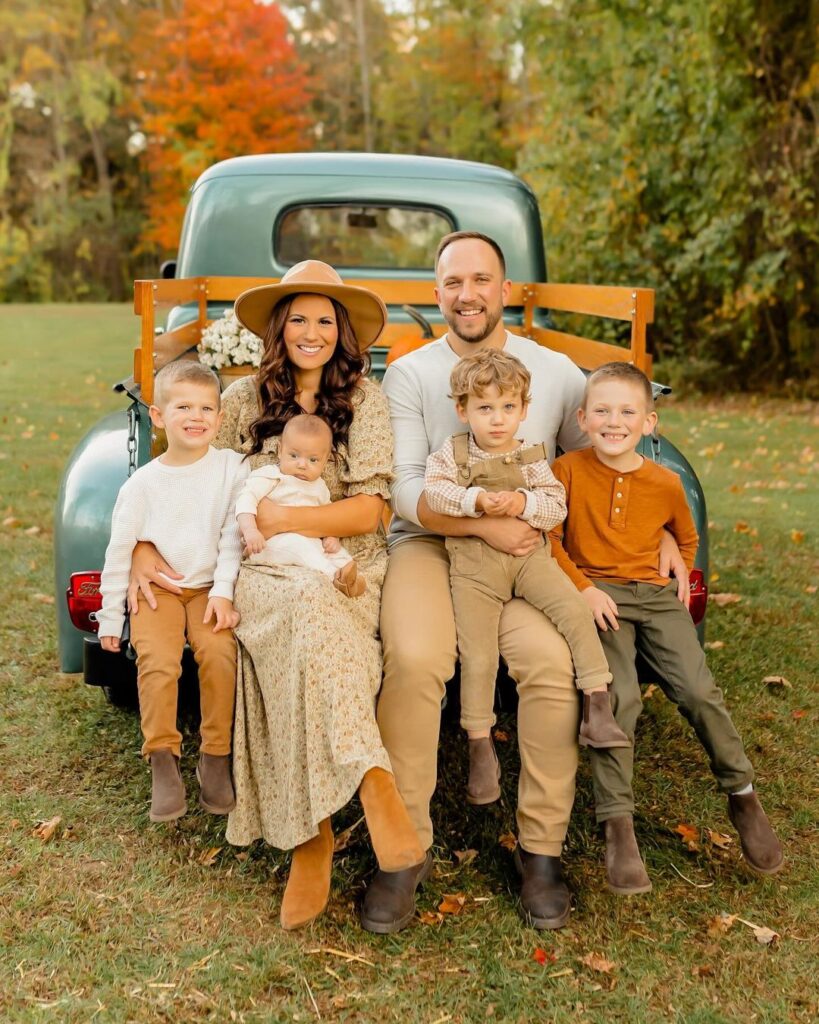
x=184, y=371
x=620, y=371
x=490, y=367
x=309, y=425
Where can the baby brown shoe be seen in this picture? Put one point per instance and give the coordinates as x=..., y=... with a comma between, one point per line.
x=483, y=786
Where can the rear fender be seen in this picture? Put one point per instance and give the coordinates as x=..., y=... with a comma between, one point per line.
x=82, y=517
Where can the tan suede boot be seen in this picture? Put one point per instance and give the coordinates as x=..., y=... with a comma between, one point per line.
x=167, y=789
x=216, y=792
x=598, y=727
x=349, y=581
x=394, y=839
x=625, y=870
x=308, y=884
x=760, y=847
x=483, y=785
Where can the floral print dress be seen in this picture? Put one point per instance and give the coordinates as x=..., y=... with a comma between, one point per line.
x=309, y=665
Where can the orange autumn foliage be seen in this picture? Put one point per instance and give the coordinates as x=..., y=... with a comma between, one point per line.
x=219, y=79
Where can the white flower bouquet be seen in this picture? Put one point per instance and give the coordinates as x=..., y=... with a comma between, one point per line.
x=226, y=343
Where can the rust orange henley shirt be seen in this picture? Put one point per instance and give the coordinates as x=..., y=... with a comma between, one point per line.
x=615, y=520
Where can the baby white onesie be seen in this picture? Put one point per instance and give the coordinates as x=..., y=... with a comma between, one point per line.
x=289, y=548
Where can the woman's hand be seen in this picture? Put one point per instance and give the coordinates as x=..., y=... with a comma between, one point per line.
x=602, y=607
x=347, y=517
x=221, y=610
x=672, y=564
x=146, y=566
x=272, y=519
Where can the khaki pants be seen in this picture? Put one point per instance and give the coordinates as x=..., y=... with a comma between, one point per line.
x=483, y=580
x=655, y=624
x=158, y=637
x=418, y=636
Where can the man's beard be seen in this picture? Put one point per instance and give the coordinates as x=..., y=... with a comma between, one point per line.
x=492, y=320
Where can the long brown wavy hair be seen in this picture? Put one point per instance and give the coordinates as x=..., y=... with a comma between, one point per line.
x=276, y=381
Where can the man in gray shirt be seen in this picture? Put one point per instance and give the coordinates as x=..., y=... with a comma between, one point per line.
x=417, y=620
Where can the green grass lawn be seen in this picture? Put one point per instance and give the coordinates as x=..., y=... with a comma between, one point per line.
x=115, y=919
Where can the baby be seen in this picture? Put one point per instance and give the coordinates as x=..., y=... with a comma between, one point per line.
x=305, y=446
x=488, y=471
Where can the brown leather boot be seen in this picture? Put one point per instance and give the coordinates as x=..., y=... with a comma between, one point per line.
x=545, y=901
x=760, y=847
x=483, y=786
x=625, y=870
x=598, y=728
x=308, y=884
x=389, y=903
x=392, y=834
x=167, y=789
x=216, y=793
x=349, y=581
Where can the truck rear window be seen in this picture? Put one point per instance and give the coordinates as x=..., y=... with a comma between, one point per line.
x=352, y=235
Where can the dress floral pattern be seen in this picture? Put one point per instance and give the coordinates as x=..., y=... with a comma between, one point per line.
x=309, y=665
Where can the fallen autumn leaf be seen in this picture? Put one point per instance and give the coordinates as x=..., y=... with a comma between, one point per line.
x=777, y=682
x=46, y=830
x=719, y=839
x=720, y=924
x=464, y=857
x=452, y=903
x=689, y=835
x=508, y=840
x=721, y=600
x=598, y=963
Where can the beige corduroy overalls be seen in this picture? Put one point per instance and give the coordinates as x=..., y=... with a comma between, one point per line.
x=484, y=579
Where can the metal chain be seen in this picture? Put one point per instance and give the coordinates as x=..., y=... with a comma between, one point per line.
x=133, y=422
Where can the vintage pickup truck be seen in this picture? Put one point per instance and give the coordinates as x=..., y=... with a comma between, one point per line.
x=378, y=220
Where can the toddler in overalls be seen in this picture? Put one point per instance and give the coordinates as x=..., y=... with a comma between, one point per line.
x=488, y=471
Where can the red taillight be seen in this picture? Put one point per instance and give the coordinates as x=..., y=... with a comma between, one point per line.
x=699, y=595
x=83, y=596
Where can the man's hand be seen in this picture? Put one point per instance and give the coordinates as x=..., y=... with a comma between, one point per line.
x=331, y=545
x=501, y=503
x=222, y=611
x=110, y=644
x=146, y=566
x=512, y=536
x=603, y=608
x=671, y=563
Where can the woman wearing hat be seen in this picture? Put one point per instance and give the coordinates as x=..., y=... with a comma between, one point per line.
x=309, y=667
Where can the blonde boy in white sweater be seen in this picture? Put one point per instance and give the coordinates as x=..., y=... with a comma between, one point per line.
x=182, y=502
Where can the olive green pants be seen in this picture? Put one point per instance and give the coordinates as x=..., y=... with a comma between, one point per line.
x=483, y=580
x=656, y=625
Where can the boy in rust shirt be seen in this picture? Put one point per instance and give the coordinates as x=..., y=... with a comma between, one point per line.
x=618, y=505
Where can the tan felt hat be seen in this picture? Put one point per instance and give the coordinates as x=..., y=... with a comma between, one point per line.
x=367, y=312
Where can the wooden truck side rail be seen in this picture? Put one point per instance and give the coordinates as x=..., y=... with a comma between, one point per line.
x=634, y=305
